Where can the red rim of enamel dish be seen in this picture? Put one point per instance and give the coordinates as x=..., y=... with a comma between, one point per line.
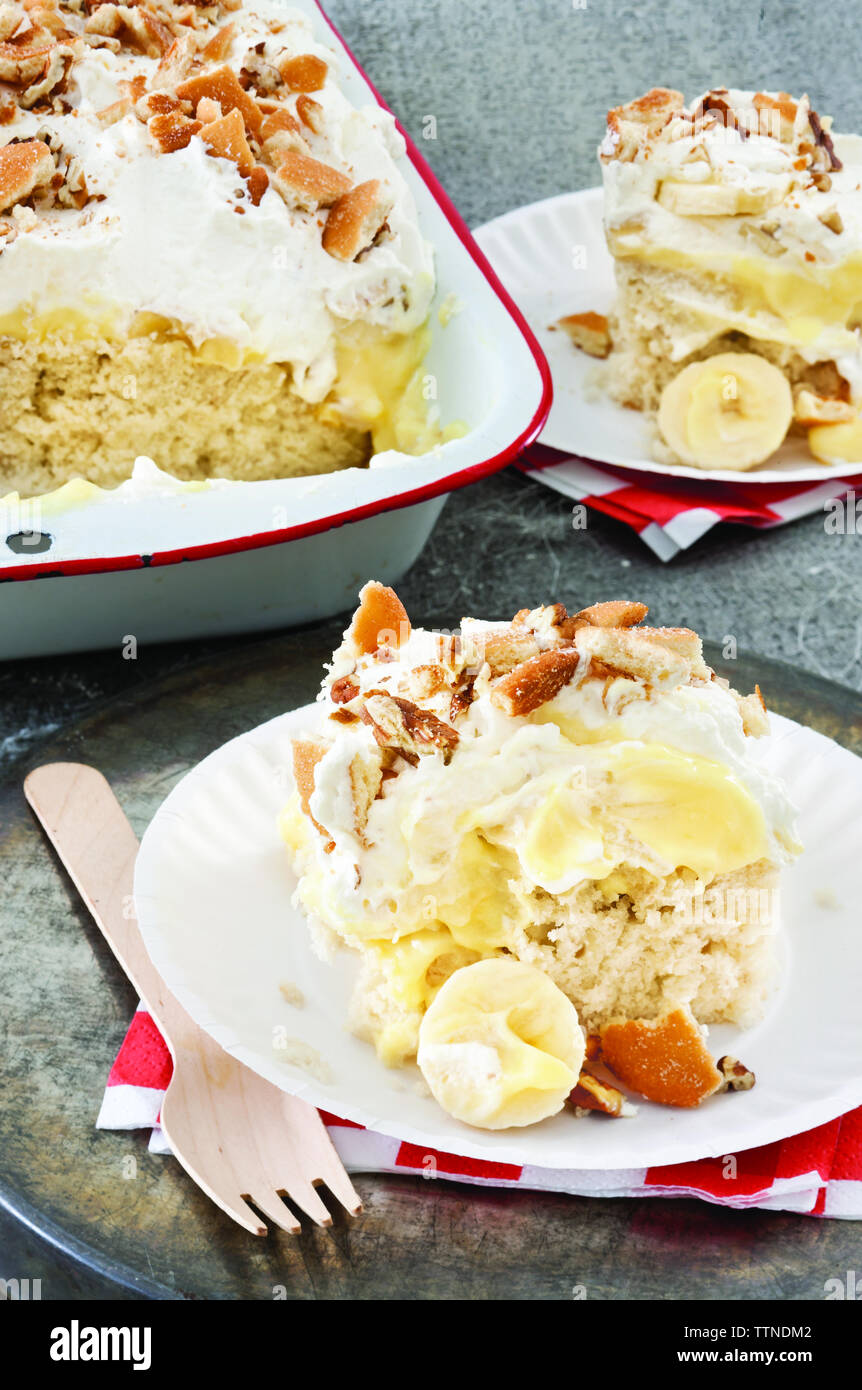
x=450, y=483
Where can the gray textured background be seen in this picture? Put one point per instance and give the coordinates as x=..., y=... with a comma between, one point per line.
x=519, y=89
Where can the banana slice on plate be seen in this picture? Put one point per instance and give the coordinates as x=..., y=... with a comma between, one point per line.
x=500, y=1045
x=729, y=411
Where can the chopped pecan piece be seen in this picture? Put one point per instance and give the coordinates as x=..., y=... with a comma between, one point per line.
x=344, y=716
x=356, y=220
x=22, y=64
x=824, y=139
x=304, y=73
x=832, y=221
x=308, y=184
x=737, y=1076
x=24, y=167
x=52, y=78
x=587, y=331
x=592, y=1094
x=536, y=681
x=411, y=731
x=258, y=74
x=342, y=690
x=72, y=192
x=463, y=696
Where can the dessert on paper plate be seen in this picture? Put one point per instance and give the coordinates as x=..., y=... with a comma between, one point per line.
x=735, y=224
x=548, y=840
x=207, y=254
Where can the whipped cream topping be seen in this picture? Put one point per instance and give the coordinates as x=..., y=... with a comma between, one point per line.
x=503, y=773
x=798, y=207
x=177, y=235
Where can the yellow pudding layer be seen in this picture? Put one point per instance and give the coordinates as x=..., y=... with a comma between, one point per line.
x=807, y=302
x=381, y=387
x=653, y=802
x=689, y=810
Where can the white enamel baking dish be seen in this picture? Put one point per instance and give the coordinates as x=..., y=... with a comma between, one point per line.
x=159, y=562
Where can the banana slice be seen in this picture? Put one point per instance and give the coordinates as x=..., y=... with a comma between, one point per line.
x=716, y=199
x=837, y=443
x=729, y=411
x=500, y=1045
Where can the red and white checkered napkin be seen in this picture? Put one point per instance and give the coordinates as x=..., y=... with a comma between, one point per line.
x=818, y=1173
x=670, y=514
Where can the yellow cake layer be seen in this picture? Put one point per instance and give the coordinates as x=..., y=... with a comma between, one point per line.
x=76, y=399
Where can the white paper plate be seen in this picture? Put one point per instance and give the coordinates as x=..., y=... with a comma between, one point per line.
x=213, y=889
x=553, y=260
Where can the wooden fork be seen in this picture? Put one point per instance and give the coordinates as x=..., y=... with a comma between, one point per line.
x=240, y=1138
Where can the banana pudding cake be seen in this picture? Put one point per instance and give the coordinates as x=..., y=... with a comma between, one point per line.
x=208, y=255
x=531, y=829
x=735, y=224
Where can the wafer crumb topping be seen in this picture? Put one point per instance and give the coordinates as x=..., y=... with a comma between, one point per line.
x=637, y=128
x=262, y=118
x=416, y=709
